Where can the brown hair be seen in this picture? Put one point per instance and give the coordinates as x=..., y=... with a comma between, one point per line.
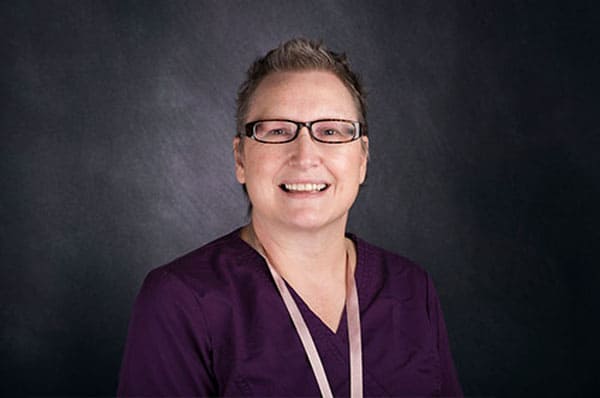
x=296, y=55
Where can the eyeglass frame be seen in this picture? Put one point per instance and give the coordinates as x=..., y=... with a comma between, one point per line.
x=358, y=130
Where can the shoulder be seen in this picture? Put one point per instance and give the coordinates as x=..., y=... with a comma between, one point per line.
x=200, y=288
x=178, y=318
x=385, y=274
x=387, y=263
x=207, y=268
x=401, y=292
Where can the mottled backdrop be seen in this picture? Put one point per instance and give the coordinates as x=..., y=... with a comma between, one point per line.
x=115, y=157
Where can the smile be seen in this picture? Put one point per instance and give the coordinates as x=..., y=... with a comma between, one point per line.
x=304, y=187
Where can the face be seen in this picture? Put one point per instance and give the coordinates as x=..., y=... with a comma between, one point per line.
x=281, y=178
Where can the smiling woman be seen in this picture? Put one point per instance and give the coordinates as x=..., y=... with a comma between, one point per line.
x=301, y=162
x=290, y=304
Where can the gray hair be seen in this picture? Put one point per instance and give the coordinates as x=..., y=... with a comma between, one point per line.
x=300, y=54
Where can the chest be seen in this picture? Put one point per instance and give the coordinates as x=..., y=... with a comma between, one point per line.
x=257, y=351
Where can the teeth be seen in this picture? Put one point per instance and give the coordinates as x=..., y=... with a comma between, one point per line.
x=305, y=187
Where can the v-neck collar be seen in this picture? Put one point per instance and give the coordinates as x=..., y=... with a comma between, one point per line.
x=316, y=324
x=314, y=321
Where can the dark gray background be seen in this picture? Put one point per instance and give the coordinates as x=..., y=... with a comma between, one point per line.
x=116, y=126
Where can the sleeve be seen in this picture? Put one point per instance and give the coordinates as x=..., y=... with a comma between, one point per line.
x=450, y=386
x=167, y=352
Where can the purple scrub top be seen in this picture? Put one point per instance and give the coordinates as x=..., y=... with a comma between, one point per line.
x=212, y=323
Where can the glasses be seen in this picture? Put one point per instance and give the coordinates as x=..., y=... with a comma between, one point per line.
x=327, y=131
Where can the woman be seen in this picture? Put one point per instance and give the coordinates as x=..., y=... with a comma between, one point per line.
x=291, y=305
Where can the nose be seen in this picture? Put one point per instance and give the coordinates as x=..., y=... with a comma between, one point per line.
x=305, y=150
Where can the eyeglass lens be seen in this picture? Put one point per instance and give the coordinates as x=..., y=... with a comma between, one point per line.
x=333, y=131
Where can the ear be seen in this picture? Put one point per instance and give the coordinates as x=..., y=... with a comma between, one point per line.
x=238, y=155
x=365, y=158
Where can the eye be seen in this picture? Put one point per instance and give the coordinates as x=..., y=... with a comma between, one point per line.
x=274, y=130
x=330, y=132
x=279, y=131
x=333, y=130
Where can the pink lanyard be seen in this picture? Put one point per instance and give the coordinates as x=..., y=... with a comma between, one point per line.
x=354, y=338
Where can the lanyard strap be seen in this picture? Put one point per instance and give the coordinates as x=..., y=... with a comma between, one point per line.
x=354, y=336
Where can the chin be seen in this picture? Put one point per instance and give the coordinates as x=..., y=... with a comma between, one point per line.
x=311, y=221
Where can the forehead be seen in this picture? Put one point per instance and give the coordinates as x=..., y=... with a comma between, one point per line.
x=303, y=96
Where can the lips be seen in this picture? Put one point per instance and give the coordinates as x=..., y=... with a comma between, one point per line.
x=304, y=187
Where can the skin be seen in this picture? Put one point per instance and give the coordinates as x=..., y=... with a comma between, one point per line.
x=303, y=233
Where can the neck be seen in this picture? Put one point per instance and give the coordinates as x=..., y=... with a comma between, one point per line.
x=301, y=256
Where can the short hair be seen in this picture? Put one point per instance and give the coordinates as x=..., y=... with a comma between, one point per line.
x=300, y=54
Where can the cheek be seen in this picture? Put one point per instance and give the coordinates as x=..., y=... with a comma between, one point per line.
x=356, y=164
x=260, y=166
x=348, y=171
